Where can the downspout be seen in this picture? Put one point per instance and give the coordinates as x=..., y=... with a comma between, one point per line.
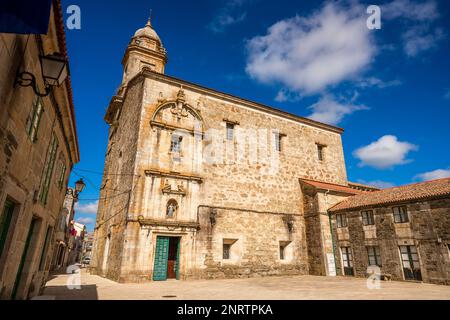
x=331, y=230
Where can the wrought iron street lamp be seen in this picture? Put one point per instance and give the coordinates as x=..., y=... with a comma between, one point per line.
x=79, y=187
x=54, y=72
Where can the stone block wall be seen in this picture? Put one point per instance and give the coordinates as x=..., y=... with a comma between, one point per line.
x=22, y=160
x=252, y=195
x=427, y=229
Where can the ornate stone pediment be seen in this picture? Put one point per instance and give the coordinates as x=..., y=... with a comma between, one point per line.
x=177, y=114
x=168, y=188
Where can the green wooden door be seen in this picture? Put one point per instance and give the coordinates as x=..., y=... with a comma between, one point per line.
x=24, y=258
x=161, y=258
x=177, y=265
x=5, y=222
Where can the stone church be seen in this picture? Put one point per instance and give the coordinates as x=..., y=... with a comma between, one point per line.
x=203, y=184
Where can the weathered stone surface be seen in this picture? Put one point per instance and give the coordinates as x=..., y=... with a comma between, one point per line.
x=251, y=187
x=22, y=160
x=428, y=229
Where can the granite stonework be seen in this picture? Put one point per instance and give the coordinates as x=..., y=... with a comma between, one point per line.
x=428, y=230
x=23, y=159
x=172, y=170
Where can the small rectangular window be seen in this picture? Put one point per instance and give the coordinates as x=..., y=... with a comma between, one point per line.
x=320, y=151
x=341, y=220
x=226, y=251
x=230, y=131
x=34, y=119
x=367, y=218
x=400, y=214
x=282, y=249
x=374, y=257
x=278, y=141
x=175, y=145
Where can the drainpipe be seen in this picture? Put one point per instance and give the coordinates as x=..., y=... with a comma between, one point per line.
x=331, y=230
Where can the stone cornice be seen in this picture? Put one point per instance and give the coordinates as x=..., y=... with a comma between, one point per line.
x=168, y=223
x=146, y=72
x=177, y=175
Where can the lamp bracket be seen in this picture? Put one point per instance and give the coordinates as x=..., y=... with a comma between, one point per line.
x=27, y=79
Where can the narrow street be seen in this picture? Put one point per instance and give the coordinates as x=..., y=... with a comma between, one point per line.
x=271, y=288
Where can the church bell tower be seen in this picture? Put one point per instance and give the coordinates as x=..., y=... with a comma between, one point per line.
x=145, y=50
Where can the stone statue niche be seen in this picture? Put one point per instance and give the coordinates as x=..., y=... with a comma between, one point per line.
x=172, y=208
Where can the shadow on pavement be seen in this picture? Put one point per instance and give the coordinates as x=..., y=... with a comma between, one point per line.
x=87, y=292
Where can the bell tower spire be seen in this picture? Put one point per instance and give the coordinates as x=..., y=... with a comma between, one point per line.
x=145, y=50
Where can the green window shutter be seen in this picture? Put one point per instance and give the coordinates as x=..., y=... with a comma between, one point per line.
x=62, y=175
x=5, y=222
x=45, y=249
x=35, y=119
x=48, y=171
x=161, y=257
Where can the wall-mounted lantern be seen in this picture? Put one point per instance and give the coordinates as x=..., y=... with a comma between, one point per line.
x=79, y=187
x=289, y=220
x=54, y=72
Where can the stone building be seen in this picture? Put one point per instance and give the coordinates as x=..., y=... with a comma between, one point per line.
x=405, y=231
x=38, y=144
x=202, y=184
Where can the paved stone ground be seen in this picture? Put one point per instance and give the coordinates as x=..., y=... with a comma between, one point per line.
x=270, y=288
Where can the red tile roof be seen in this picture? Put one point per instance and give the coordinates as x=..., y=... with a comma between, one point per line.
x=332, y=187
x=418, y=191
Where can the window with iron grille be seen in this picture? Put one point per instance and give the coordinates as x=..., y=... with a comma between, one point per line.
x=230, y=131
x=367, y=218
x=341, y=220
x=400, y=214
x=374, y=257
x=278, y=137
x=34, y=119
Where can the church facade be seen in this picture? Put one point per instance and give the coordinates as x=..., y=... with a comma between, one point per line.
x=202, y=184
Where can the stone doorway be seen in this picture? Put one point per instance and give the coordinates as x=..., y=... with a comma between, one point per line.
x=167, y=256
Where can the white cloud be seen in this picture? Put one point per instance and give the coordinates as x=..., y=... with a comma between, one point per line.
x=87, y=208
x=377, y=83
x=85, y=220
x=419, y=39
x=309, y=54
x=228, y=15
x=434, y=175
x=407, y=9
x=331, y=111
x=420, y=35
x=287, y=96
x=378, y=184
x=385, y=153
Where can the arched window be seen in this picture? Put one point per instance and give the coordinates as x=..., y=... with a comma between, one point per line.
x=171, y=210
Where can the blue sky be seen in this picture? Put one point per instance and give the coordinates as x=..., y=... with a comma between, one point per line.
x=389, y=89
